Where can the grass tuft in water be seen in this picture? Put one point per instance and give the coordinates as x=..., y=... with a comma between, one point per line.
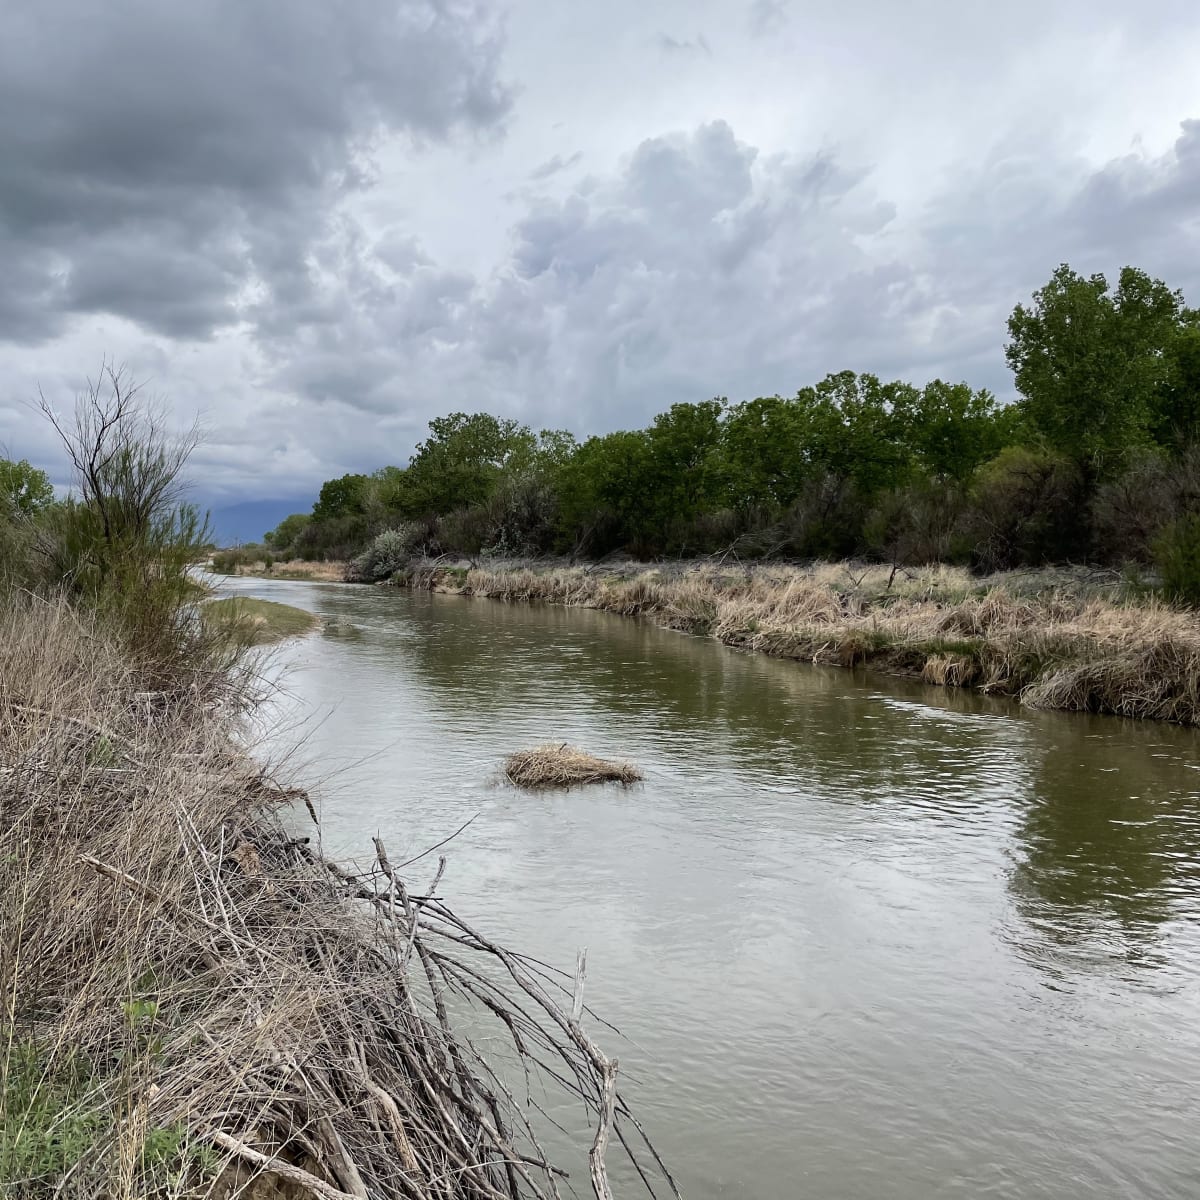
x=562, y=766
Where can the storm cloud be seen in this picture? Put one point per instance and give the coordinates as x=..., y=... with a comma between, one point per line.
x=321, y=226
x=158, y=159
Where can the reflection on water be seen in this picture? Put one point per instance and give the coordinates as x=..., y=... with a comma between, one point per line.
x=866, y=938
x=1107, y=849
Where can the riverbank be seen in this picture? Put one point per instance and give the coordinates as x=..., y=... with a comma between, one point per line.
x=1072, y=640
x=196, y=1001
x=234, y=562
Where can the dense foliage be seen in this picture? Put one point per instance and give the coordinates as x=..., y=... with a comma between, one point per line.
x=1095, y=460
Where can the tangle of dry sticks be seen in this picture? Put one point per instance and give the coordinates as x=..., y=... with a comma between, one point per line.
x=341, y=1031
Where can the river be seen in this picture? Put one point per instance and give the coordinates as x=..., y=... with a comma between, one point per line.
x=866, y=939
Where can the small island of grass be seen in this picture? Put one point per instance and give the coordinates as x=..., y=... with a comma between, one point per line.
x=563, y=766
x=258, y=622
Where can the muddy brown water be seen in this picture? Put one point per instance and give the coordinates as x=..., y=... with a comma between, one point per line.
x=865, y=938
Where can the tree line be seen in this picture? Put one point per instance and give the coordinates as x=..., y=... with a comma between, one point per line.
x=1097, y=460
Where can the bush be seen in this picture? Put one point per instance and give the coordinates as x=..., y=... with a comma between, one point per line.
x=282, y=539
x=1131, y=511
x=519, y=519
x=916, y=525
x=464, y=531
x=51, y=1115
x=227, y=562
x=1027, y=508
x=1177, y=555
x=824, y=521
x=390, y=551
x=335, y=539
x=522, y=518
x=124, y=545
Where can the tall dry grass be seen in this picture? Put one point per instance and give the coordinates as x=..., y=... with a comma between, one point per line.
x=234, y=1015
x=1051, y=640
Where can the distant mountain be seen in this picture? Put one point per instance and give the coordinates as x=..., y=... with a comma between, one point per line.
x=247, y=522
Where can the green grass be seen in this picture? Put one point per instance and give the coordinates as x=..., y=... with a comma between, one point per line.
x=49, y=1116
x=56, y=1115
x=257, y=622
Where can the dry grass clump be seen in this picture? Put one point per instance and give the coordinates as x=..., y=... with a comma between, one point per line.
x=195, y=1003
x=300, y=568
x=1063, y=639
x=563, y=766
x=254, y=563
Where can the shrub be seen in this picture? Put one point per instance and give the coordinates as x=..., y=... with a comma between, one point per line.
x=916, y=525
x=519, y=519
x=1177, y=555
x=390, y=551
x=282, y=539
x=335, y=539
x=227, y=562
x=464, y=531
x=1027, y=508
x=824, y=521
x=522, y=517
x=51, y=1114
x=1131, y=511
x=124, y=545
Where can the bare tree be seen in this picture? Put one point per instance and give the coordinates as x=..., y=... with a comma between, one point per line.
x=127, y=465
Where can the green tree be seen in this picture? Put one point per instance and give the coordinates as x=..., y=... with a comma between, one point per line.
x=555, y=449
x=342, y=497
x=462, y=460
x=766, y=461
x=603, y=492
x=953, y=430
x=23, y=488
x=1175, y=423
x=853, y=428
x=385, y=496
x=283, y=537
x=685, y=466
x=1090, y=362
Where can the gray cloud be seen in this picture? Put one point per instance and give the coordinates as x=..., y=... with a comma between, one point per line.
x=671, y=45
x=554, y=166
x=157, y=159
x=766, y=17
x=704, y=267
x=302, y=224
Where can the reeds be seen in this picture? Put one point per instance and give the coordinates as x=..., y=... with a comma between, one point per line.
x=238, y=1010
x=1050, y=639
x=563, y=766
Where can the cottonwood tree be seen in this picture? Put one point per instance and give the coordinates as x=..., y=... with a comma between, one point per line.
x=1089, y=362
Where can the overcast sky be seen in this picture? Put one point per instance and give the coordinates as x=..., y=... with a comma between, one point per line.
x=319, y=225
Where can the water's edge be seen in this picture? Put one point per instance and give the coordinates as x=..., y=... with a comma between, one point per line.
x=1077, y=653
